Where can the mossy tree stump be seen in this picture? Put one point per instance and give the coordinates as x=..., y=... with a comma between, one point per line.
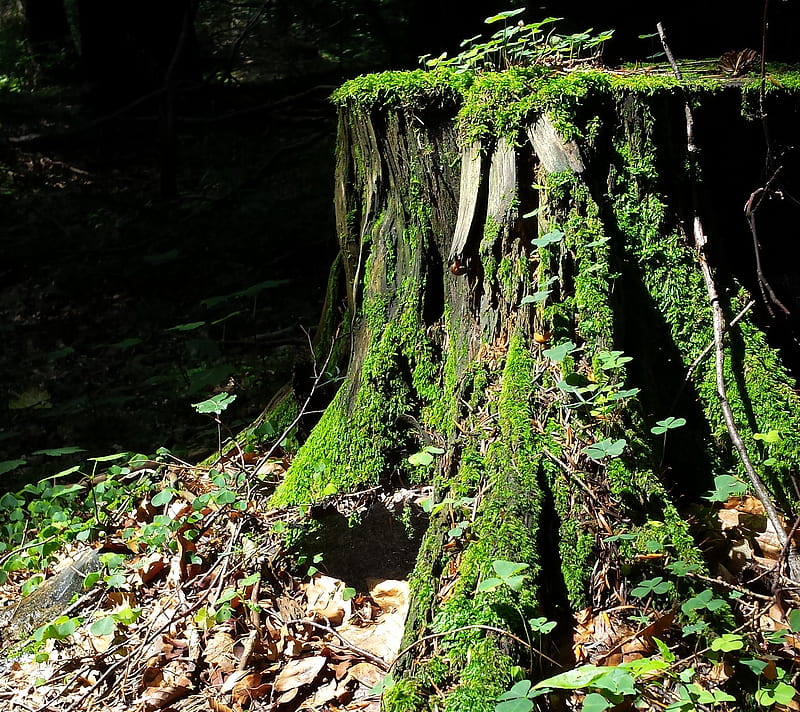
x=504, y=237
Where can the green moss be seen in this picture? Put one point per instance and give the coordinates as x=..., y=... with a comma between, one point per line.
x=590, y=318
x=506, y=272
x=492, y=232
x=401, y=89
x=357, y=443
x=486, y=674
x=442, y=410
x=494, y=104
x=404, y=696
x=760, y=390
x=506, y=528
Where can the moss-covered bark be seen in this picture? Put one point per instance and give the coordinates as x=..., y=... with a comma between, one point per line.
x=504, y=352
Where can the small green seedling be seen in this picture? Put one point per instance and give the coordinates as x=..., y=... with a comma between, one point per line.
x=610, y=360
x=58, y=451
x=541, y=626
x=773, y=437
x=705, y=600
x=725, y=487
x=424, y=457
x=536, y=297
x=518, y=699
x=605, y=448
x=661, y=426
x=651, y=587
x=508, y=574
x=549, y=238
x=560, y=352
x=778, y=694
x=216, y=404
x=727, y=643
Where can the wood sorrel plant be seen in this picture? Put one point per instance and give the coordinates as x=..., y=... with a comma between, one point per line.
x=522, y=45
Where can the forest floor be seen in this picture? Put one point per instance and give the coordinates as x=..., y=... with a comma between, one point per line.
x=229, y=619
x=119, y=310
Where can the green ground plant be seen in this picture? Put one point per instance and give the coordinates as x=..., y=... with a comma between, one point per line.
x=519, y=44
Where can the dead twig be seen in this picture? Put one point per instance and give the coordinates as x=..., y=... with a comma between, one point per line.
x=708, y=349
x=346, y=644
x=570, y=473
x=751, y=207
x=730, y=586
x=476, y=626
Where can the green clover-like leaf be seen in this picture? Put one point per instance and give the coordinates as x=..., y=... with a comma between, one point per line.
x=670, y=423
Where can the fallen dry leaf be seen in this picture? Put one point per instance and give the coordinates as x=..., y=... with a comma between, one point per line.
x=366, y=674
x=326, y=693
x=728, y=518
x=249, y=688
x=720, y=673
x=300, y=672
x=217, y=706
x=156, y=698
x=391, y=595
x=151, y=566
x=324, y=598
x=219, y=651
x=383, y=636
x=333, y=615
x=287, y=697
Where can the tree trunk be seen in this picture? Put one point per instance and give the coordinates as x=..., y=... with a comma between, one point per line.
x=509, y=242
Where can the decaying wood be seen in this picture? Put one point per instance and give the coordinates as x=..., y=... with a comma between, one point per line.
x=502, y=181
x=472, y=169
x=555, y=154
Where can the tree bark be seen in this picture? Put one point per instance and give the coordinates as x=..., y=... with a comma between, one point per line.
x=497, y=270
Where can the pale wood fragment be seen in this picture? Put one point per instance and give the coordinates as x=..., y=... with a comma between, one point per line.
x=502, y=181
x=472, y=158
x=555, y=154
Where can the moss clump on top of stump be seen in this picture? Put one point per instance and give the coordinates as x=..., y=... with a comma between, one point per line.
x=522, y=297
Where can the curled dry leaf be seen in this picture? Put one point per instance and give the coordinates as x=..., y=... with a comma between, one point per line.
x=333, y=615
x=328, y=692
x=287, y=697
x=156, y=698
x=288, y=608
x=720, y=673
x=217, y=706
x=324, y=596
x=382, y=637
x=391, y=595
x=151, y=566
x=273, y=468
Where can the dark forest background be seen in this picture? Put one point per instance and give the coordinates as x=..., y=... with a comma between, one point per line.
x=166, y=172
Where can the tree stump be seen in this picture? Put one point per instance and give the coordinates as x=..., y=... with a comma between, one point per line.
x=524, y=306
